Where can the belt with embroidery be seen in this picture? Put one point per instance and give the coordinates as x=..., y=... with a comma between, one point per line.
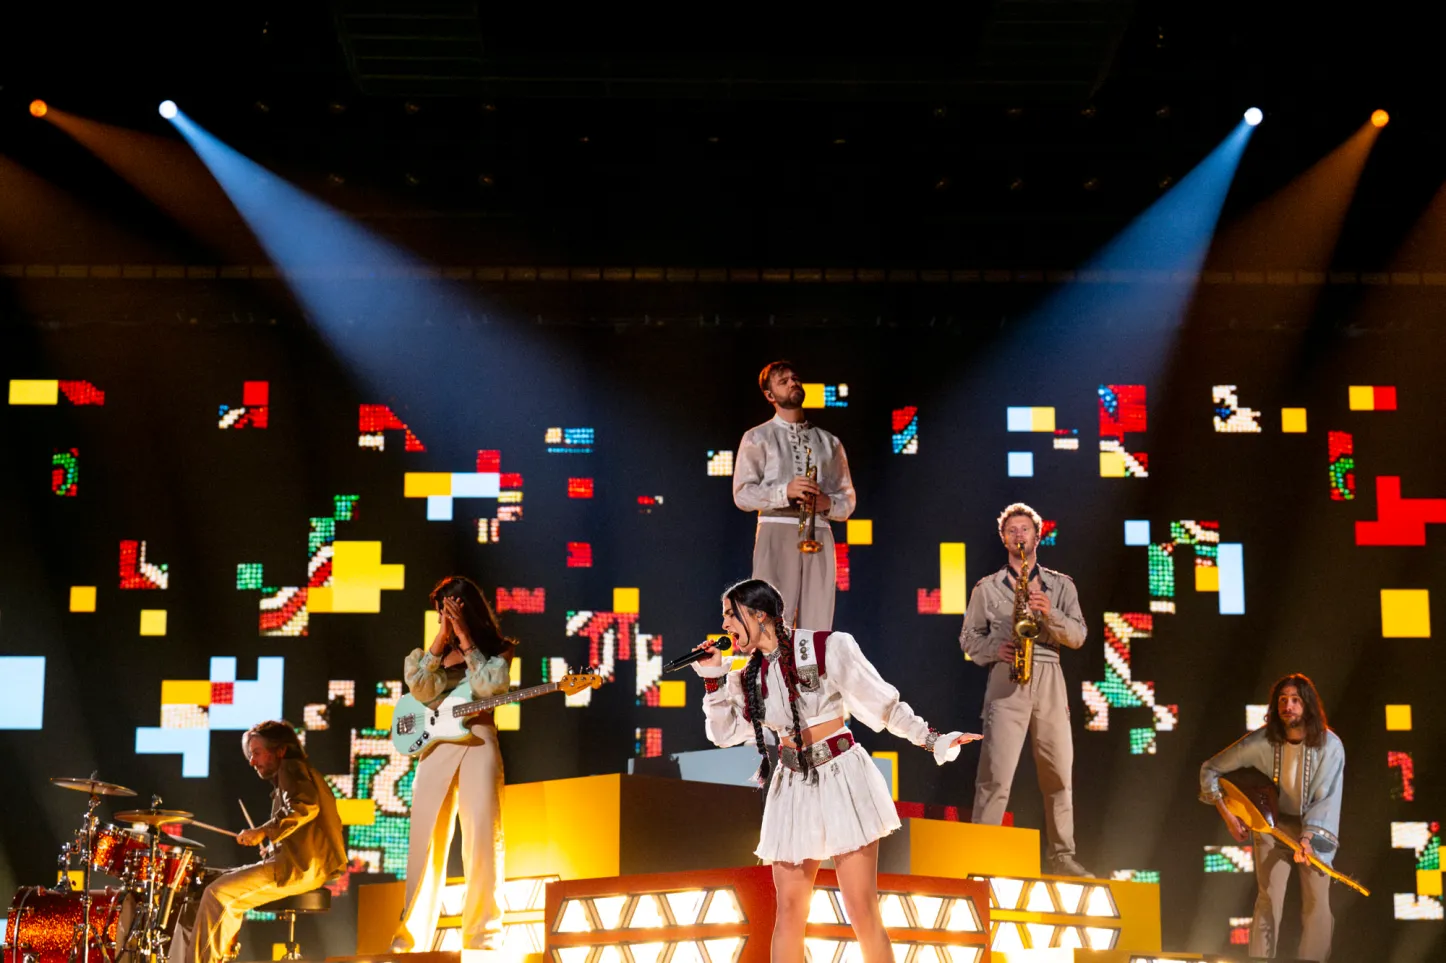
x=818, y=753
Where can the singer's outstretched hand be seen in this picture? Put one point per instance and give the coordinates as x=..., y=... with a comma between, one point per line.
x=714, y=657
x=967, y=738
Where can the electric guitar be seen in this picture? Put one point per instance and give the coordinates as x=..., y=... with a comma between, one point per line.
x=415, y=726
x=1250, y=795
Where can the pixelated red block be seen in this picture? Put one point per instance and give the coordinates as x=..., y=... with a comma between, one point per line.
x=901, y=417
x=579, y=488
x=928, y=601
x=1406, y=789
x=841, y=566
x=1129, y=413
x=652, y=743
x=598, y=625
x=1383, y=397
x=647, y=500
x=1240, y=936
x=579, y=555
x=1399, y=521
x=258, y=417
x=489, y=461
x=509, y=480
x=82, y=393
x=131, y=576
x=223, y=693
x=374, y=418
x=256, y=394
x=526, y=601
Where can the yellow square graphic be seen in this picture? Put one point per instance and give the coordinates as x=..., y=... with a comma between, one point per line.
x=813, y=395
x=76, y=877
x=1428, y=882
x=508, y=718
x=625, y=600
x=1398, y=718
x=421, y=484
x=185, y=692
x=892, y=758
x=514, y=673
x=1363, y=398
x=357, y=812
x=383, y=718
x=1405, y=613
x=860, y=531
x=1207, y=578
x=953, y=589
x=672, y=694
x=1292, y=420
x=82, y=598
x=1041, y=419
x=430, y=623
x=357, y=579
x=153, y=621
x=34, y=392
x=1112, y=464
x=278, y=952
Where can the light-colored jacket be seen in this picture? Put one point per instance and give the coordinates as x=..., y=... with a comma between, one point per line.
x=1321, y=782
x=989, y=616
x=772, y=454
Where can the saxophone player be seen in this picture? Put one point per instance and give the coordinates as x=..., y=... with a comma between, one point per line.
x=1038, y=706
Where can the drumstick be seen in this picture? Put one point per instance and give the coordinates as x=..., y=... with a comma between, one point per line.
x=242, y=804
x=214, y=829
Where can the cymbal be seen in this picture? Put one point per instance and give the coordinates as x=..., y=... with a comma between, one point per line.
x=93, y=786
x=168, y=840
x=153, y=817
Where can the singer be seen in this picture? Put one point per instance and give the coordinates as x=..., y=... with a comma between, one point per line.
x=826, y=799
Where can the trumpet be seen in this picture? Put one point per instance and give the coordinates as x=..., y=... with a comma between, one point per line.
x=1026, y=626
x=807, y=518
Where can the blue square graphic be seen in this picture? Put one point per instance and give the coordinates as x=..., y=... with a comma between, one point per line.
x=1021, y=464
x=1137, y=531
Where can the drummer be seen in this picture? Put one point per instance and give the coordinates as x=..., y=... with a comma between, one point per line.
x=309, y=851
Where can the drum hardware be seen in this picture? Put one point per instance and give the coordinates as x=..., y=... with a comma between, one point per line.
x=94, y=788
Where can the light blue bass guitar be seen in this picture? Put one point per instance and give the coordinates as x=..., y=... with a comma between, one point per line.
x=415, y=726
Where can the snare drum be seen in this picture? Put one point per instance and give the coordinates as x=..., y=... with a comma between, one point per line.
x=43, y=923
x=111, y=847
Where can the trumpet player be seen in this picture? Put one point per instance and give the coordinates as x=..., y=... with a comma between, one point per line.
x=796, y=477
x=1016, y=622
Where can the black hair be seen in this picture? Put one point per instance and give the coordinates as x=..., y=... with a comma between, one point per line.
x=761, y=596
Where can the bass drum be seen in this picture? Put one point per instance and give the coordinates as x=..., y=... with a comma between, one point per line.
x=43, y=923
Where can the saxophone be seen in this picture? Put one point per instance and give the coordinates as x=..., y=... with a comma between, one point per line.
x=1026, y=626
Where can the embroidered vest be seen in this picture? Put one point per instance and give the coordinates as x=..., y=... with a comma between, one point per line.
x=810, y=652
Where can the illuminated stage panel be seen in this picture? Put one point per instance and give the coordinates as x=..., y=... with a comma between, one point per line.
x=82, y=598
x=1340, y=449
x=34, y=392
x=1229, y=859
x=1405, y=613
x=65, y=472
x=1021, y=464
x=218, y=703
x=1403, y=785
x=1398, y=718
x=374, y=420
x=1425, y=840
x=254, y=410
x=1119, y=689
x=569, y=441
x=825, y=396
x=523, y=600
x=1122, y=412
x=1230, y=415
x=1372, y=397
x=136, y=572
x=1029, y=419
x=720, y=464
x=1293, y=421
x=358, y=579
x=1399, y=521
x=906, y=430
x=22, y=691
x=953, y=589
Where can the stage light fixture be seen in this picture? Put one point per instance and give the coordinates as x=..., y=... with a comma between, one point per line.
x=38, y=108
x=1254, y=116
x=1380, y=118
x=168, y=109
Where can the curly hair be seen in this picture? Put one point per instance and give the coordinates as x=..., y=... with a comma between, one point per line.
x=1019, y=508
x=760, y=596
x=1315, y=714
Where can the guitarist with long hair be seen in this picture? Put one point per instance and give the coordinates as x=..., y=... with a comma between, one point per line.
x=457, y=778
x=1306, y=761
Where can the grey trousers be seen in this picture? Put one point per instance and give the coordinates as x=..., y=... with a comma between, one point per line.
x=1273, y=863
x=777, y=559
x=1040, y=709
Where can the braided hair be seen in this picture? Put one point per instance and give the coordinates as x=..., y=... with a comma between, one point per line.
x=761, y=596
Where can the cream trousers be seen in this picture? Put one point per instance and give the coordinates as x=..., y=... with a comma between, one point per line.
x=776, y=559
x=455, y=780
x=223, y=906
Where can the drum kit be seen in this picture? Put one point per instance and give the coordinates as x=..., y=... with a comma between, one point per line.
x=158, y=874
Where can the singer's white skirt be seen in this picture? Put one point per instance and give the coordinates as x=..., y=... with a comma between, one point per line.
x=847, y=808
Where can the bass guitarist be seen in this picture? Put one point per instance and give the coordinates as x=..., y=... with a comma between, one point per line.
x=1307, y=762
x=457, y=778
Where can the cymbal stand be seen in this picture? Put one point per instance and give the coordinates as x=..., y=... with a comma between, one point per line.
x=150, y=936
x=85, y=838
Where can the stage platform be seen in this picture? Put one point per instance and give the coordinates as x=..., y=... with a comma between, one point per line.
x=640, y=869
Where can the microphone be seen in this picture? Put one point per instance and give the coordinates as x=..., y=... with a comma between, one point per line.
x=697, y=655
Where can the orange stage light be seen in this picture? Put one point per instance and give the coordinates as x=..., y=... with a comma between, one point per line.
x=1380, y=118
x=38, y=108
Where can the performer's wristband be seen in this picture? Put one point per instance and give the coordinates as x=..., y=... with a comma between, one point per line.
x=929, y=740
x=711, y=683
